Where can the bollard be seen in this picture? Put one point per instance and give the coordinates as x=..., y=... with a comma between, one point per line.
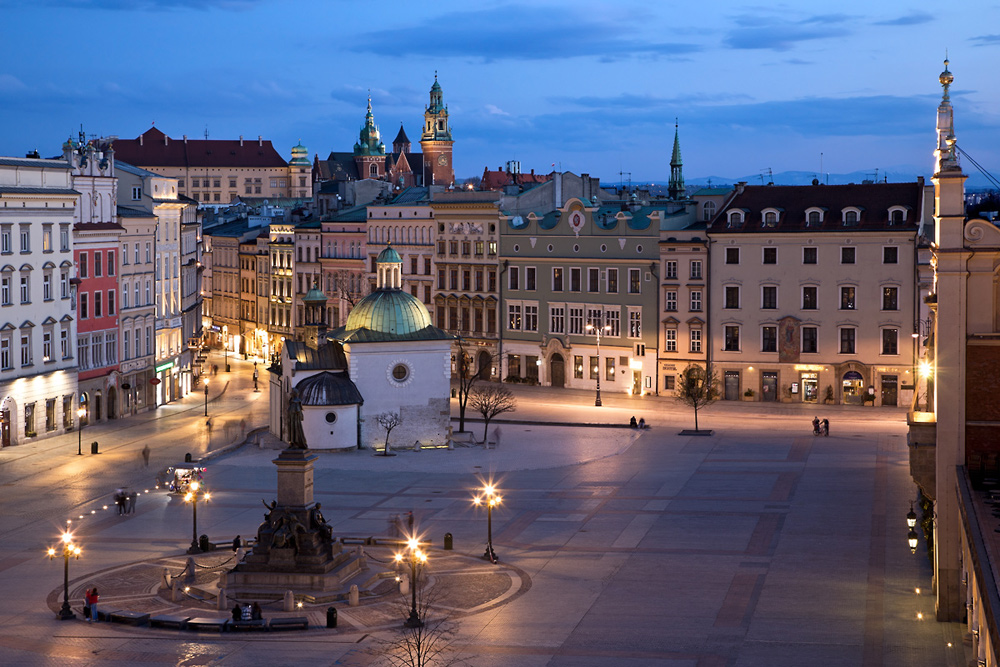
x=331, y=617
x=222, y=606
x=352, y=596
x=187, y=458
x=448, y=542
x=93, y=448
x=189, y=570
x=289, y=601
x=174, y=590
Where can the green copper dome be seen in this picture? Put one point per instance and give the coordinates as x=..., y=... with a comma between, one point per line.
x=389, y=255
x=389, y=311
x=314, y=297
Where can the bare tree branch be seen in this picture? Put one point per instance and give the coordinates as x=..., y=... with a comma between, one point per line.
x=491, y=400
x=698, y=388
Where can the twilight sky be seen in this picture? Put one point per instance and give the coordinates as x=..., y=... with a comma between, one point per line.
x=590, y=86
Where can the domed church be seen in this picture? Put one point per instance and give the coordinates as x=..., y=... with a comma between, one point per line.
x=386, y=358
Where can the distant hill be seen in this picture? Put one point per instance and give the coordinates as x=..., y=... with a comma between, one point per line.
x=894, y=175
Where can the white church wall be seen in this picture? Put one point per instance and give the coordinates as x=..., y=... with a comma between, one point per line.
x=321, y=433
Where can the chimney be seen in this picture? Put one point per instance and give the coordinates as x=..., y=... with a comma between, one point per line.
x=140, y=140
x=260, y=140
x=740, y=186
x=166, y=140
x=241, y=140
x=185, y=138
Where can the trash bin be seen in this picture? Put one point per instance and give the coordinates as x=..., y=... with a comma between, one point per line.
x=448, y=546
x=187, y=458
x=331, y=617
x=93, y=448
x=204, y=544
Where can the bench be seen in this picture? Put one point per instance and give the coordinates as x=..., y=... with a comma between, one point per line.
x=169, y=621
x=293, y=623
x=106, y=614
x=207, y=623
x=259, y=624
x=129, y=617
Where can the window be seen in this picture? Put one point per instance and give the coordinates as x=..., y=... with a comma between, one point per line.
x=670, y=269
x=64, y=284
x=696, y=269
x=441, y=279
x=769, y=297
x=147, y=254
x=5, y=359
x=593, y=280
x=5, y=246
x=466, y=248
x=847, y=255
x=64, y=238
x=634, y=281
x=47, y=286
x=492, y=275
x=696, y=340
x=809, y=338
x=453, y=248
x=530, y=317
x=25, y=288
x=137, y=190
x=98, y=305
x=47, y=238
x=735, y=218
x=136, y=302
x=513, y=279
x=890, y=299
x=813, y=219
x=26, y=349
x=708, y=211
x=770, y=219
x=897, y=217
x=111, y=348
x=809, y=298
x=453, y=279
x=557, y=279
x=98, y=267
x=578, y=367
x=576, y=321
x=732, y=338
x=5, y=290
x=594, y=367
x=83, y=306
x=769, y=338
x=809, y=255
x=47, y=346
x=847, y=340
x=696, y=300
x=126, y=347
x=847, y=298
x=83, y=265
x=609, y=368
x=670, y=301
x=514, y=317
x=670, y=340
x=850, y=218
x=890, y=255
x=480, y=247
x=492, y=248
x=557, y=319
x=111, y=302
x=732, y=296
x=529, y=278
x=890, y=341
x=732, y=255
x=25, y=238
x=574, y=279
x=64, y=344
x=612, y=323
x=612, y=281
x=634, y=323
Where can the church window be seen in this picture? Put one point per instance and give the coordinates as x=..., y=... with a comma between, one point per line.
x=373, y=170
x=709, y=211
x=331, y=417
x=400, y=372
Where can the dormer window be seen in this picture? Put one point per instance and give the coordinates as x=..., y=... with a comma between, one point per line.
x=769, y=218
x=897, y=215
x=851, y=217
x=735, y=218
x=814, y=217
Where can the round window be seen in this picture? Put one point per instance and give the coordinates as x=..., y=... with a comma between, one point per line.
x=604, y=248
x=400, y=372
x=550, y=247
x=517, y=248
x=576, y=248
x=638, y=248
x=331, y=417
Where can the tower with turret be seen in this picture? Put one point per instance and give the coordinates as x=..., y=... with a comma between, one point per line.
x=676, y=188
x=369, y=151
x=436, y=141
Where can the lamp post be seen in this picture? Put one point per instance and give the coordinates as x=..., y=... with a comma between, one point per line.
x=911, y=523
x=598, y=330
x=68, y=549
x=206, y=397
x=192, y=497
x=415, y=557
x=490, y=498
x=80, y=414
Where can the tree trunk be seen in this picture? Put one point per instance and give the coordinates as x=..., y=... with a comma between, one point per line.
x=486, y=428
x=696, y=417
x=463, y=398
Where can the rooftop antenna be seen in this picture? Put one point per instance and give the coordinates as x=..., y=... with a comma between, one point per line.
x=770, y=176
x=206, y=133
x=621, y=179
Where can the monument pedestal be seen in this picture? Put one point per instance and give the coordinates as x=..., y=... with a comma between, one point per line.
x=295, y=477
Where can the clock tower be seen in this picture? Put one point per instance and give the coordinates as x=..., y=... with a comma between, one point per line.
x=436, y=141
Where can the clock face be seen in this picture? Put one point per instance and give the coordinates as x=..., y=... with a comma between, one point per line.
x=442, y=160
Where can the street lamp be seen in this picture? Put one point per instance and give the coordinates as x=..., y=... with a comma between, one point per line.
x=598, y=330
x=192, y=497
x=206, y=397
x=911, y=523
x=490, y=498
x=415, y=557
x=80, y=414
x=68, y=549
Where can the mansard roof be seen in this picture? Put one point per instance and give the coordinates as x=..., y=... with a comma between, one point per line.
x=153, y=148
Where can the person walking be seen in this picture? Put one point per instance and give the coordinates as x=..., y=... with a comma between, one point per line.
x=92, y=603
x=237, y=543
x=826, y=427
x=145, y=455
x=255, y=377
x=816, y=425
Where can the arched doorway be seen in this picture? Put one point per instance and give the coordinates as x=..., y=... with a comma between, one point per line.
x=112, y=403
x=557, y=370
x=484, y=362
x=7, y=411
x=97, y=407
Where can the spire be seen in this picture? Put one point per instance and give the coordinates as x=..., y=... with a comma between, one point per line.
x=369, y=141
x=676, y=188
x=946, y=153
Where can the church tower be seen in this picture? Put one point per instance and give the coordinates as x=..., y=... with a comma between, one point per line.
x=436, y=141
x=369, y=151
x=676, y=189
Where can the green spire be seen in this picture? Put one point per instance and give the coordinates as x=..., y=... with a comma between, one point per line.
x=676, y=188
x=370, y=142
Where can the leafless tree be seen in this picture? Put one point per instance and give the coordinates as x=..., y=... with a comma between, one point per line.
x=469, y=372
x=698, y=388
x=388, y=421
x=348, y=289
x=491, y=400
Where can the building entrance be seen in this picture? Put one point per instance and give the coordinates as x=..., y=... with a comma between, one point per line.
x=889, y=389
x=768, y=386
x=810, y=387
x=557, y=370
x=853, y=384
x=5, y=428
x=732, y=386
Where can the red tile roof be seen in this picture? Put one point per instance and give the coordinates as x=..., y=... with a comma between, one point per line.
x=155, y=149
x=496, y=180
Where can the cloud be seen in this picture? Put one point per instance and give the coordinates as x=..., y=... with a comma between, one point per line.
x=779, y=34
x=11, y=84
x=494, y=110
x=521, y=33
x=913, y=18
x=986, y=40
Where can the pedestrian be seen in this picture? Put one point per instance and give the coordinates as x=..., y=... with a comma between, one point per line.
x=145, y=455
x=632, y=422
x=237, y=543
x=131, y=502
x=816, y=425
x=120, y=500
x=826, y=427
x=86, y=605
x=237, y=613
x=255, y=376
x=92, y=603
x=409, y=521
x=256, y=613
x=642, y=423
x=247, y=613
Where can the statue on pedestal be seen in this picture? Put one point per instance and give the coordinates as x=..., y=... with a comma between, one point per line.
x=296, y=436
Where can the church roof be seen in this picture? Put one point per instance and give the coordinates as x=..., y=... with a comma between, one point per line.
x=388, y=254
x=328, y=388
x=347, y=335
x=389, y=311
x=329, y=357
x=401, y=138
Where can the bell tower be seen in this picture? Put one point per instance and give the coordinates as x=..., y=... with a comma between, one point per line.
x=369, y=151
x=436, y=141
x=676, y=188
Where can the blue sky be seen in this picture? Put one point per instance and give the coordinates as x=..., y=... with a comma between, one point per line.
x=590, y=86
